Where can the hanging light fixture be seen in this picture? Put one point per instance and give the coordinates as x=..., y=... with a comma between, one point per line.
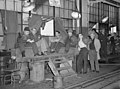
x=28, y=6
x=76, y=14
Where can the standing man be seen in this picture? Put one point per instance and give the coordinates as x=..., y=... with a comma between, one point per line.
x=103, y=40
x=94, y=47
x=82, y=60
x=112, y=41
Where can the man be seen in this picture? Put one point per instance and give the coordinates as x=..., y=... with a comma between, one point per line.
x=112, y=45
x=27, y=38
x=93, y=30
x=94, y=47
x=22, y=40
x=56, y=42
x=82, y=60
x=34, y=37
x=40, y=42
x=103, y=40
x=71, y=41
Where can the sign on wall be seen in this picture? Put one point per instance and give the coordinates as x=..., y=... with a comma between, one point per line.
x=55, y=3
x=48, y=29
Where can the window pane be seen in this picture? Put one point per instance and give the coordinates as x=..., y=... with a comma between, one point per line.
x=62, y=3
x=19, y=28
x=46, y=3
x=66, y=13
x=25, y=18
x=70, y=5
x=70, y=23
x=9, y=5
x=57, y=14
x=40, y=11
x=66, y=4
x=24, y=26
x=0, y=17
x=50, y=11
x=2, y=5
x=61, y=13
x=1, y=43
x=66, y=23
x=70, y=11
x=19, y=18
x=45, y=10
x=18, y=6
x=1, y=30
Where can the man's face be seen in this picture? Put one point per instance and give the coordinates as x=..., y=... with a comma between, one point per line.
x=80, y=35
x=34, y=31
x=103, y=31
x=57, y=34
x=92, y=36
x=70, y=33
x=26, y=32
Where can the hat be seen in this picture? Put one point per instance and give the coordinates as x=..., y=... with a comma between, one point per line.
x=70, y=30
x=80, y=35
x=26, y=29
x=33, y=29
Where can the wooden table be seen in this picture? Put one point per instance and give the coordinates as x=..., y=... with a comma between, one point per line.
x=37, y=73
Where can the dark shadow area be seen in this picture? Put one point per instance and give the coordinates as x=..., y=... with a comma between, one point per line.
x=116, y=87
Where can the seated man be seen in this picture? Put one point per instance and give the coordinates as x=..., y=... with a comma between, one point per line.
x=25, y=39
x=71, y=41
x=39, y=41
x=56, y=42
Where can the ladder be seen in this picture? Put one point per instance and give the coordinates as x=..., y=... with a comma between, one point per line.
x=61, y=67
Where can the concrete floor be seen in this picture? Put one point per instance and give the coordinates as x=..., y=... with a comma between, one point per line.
x=115, y=85
x=47, y=84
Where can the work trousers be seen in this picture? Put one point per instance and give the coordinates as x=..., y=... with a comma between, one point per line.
x=57, y=46
x=103, y=50
x=33, y=45
x=93, y=60
x=42, y=45
x=82, y=60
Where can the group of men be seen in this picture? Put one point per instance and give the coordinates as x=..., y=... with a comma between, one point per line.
x=32, y=37
x=88, y=47
x=88, y=50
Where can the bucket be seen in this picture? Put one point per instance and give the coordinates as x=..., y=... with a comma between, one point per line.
x=37, y=72
x=57, y=82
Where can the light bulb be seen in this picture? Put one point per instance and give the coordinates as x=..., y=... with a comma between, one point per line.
x=76, y=15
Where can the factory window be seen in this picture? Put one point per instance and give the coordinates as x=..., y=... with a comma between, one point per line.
x=1, y=30
x=43, y=8
x=99, y=11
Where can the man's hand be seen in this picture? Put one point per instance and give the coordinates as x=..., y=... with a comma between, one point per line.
x=29, y=40
x=79, y=48
x=57, y=40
